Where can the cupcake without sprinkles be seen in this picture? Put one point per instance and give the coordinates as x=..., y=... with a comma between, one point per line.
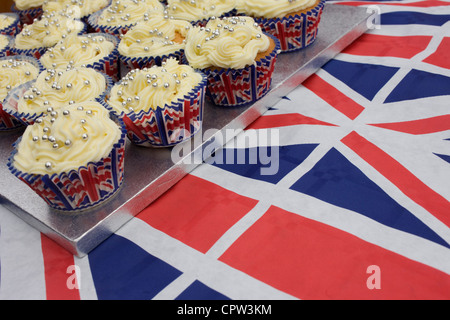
x=27, y=10
x=237, y=58
x=9, y=24
x=72, y=169
x=161, y=106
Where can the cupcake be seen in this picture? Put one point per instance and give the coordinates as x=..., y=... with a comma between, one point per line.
x=294, y=23
x=55, y=89
x=120, y=16
x=72, y=169
x=5, y=45
x=160, y=106
x=151, y=42
x=15, y=71
x=198, y=12
x=94, y=50
x=44, y=33
x=27, y=10
x=80, y=9
x=9, y=24
x=237, y=58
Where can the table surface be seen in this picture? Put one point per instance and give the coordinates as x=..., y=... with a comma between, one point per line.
x=358, y=207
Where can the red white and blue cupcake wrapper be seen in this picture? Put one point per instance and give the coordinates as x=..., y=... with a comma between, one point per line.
x=7, y=121
x=297, y=31
x=85, y=188
x=6, y=51
x=27, y=16
x=11, y=101
x=238, y=87
x=99, y=28
x=14, y=28
x=38, y=52
x=170, y=125
x=130, y=63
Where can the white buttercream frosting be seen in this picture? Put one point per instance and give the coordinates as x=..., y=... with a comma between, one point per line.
x=15, y=72
x=28, y=4
x=194, y=10
x=272, y=8
x=128, y=12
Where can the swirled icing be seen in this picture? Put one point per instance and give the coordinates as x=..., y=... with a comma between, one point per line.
x=194, y=10
x=77, y=51
x=57, y=88
x=154, y=87
x=28, y=4
x=4, y=41
x=78, y=8
x=128, y=12
x=156, y=36
x=47, y=31
x=14, y=72
x=80, y=134
x=272, y=8
x=6, y=21
x=226, y=43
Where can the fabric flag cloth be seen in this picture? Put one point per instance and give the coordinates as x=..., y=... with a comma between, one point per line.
x=358, y=208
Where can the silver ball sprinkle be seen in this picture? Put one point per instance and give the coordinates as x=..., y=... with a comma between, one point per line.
x=48, y=165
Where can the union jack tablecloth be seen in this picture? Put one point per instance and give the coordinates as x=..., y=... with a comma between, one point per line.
x=358, y=208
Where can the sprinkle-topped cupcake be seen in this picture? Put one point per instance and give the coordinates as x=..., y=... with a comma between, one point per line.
x=237, y=57
x=46, y=32
x=161, y=105
x=294, y=22
x=94, y=50
x=71, y=169
x=121, y=15
x=152, y=41
x=80, y=8
x=198, y=12
x=55, y=89
x=9, y=23
x=14, y=71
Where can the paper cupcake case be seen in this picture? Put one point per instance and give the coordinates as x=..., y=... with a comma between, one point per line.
x=14, y=28
x=130, y=63
x=27, y=16
x=168, y=126
x=238, y=87
x=6, y=51
x=39, y=52
x=81, y=189
x=294, y=32
x=109, y=64
x=7, y=121
x=11, y=101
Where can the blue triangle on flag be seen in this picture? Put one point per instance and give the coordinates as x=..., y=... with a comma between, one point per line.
x=199, y=291
x=337, y=181
x=366, y=79
x=420, y=84
x=284, y=160
x=443, y=157
x=120, y=263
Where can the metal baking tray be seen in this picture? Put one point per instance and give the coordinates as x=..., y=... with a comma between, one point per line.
x=149, y=172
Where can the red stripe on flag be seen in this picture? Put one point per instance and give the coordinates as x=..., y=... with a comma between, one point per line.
x=422, y=126
x=333, y=96
x=420, y=4
x=388, y=46
x=56, y=263
x=284, y=120
x=407, y=182
x=441, y=57
x=196, y=212
x=311, y=260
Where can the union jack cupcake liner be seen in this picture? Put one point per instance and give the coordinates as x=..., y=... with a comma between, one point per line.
x=129, y=63
x=27, y=16
x=167, y=126
x=14, y=28
x=7, y=121
x=11, y=101
x=294, y=32
x=6, y=51
x=238, y=87
x=38, y=52
x=81, y=189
